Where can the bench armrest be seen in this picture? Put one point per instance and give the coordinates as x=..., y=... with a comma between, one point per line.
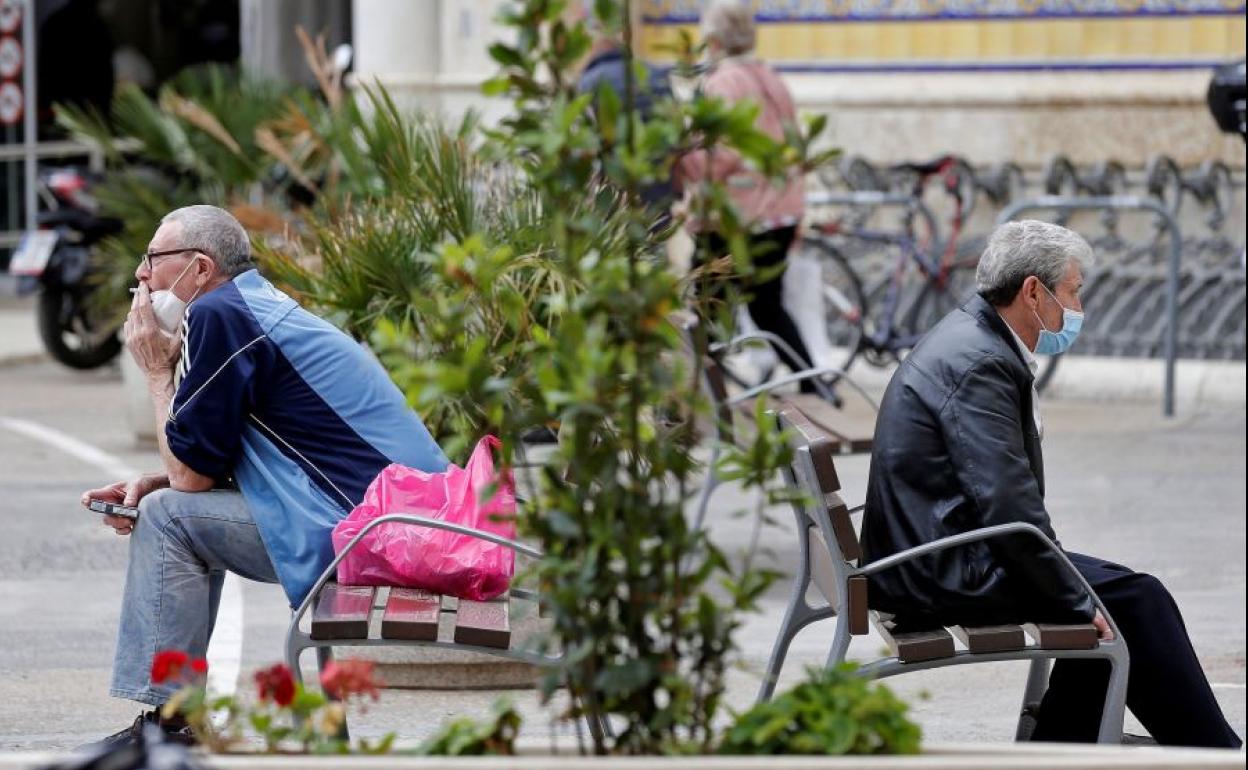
x=419, y=521
x=815, y=372
x=986, y=533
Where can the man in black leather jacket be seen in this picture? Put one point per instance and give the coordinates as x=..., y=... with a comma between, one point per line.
x=957, y=448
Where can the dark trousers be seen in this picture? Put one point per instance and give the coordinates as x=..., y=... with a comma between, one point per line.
x=1166, y=688
x=763, y=296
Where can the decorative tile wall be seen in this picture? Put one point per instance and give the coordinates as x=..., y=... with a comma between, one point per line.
x=969, y=35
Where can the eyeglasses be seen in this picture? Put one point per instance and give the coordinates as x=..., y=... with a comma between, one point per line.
x=152, y=256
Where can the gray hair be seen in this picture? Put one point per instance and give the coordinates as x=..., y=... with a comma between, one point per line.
x=215, y=232
x=731, y=23
x=1016, y=250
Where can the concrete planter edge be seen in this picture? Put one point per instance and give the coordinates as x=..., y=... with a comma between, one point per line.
x=935, y=757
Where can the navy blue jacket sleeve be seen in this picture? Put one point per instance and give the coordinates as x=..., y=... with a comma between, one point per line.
x=224, y=355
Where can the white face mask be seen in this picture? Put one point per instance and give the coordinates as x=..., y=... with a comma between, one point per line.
x=168, y=308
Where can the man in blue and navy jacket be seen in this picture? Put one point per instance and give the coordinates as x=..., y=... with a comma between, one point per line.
x=274, y=423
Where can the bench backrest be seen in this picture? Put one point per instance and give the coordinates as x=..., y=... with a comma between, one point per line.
x=815, y=464
x=713, y=380
x=831, y=543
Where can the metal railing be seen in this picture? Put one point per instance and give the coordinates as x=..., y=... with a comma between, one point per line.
x=1128, y=203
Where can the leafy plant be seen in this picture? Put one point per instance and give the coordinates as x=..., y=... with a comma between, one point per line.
x=389, y=261
x=284, y=715
x=467, y=737
x=642, y=606
x=195, y=143
x=834, y=711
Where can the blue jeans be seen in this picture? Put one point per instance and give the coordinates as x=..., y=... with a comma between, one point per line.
x=180, y=550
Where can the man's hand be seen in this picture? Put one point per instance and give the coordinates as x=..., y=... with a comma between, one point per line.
x=1102, y=627
x=127, y=493
x=154, y=351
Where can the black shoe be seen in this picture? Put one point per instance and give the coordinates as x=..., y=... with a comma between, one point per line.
x=1129, y=739
x=178, y=734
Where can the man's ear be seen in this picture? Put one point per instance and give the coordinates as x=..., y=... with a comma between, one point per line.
x=1030, y=289
x=205, y=268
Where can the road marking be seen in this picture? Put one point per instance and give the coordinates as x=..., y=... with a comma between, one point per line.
x=71, y=446
x=226, y=648
x=1229, y=685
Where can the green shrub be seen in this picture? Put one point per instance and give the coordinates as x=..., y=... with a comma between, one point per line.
x=466, y=737
x=834, y=711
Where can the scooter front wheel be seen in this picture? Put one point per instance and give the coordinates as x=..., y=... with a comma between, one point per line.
x=70, y=333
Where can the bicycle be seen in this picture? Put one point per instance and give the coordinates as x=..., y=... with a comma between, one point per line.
x=881, y=314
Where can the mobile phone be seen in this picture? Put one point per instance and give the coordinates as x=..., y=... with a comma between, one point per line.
x=112, y=509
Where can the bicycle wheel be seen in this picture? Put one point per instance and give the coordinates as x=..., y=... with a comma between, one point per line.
x=933, y=302
x=844, y=307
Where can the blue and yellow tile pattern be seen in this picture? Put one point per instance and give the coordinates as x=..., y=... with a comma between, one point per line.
x=935, y=35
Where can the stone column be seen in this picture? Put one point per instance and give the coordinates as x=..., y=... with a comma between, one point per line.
x=430, y=55
x=269, y=47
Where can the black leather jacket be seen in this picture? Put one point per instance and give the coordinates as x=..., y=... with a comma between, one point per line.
x=956, y=449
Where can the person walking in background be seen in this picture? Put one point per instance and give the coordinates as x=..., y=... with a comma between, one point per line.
x=771, y=212
x=606, y=68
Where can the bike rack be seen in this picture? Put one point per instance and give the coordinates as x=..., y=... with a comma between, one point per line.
x=857, y=198
x=1127, y=203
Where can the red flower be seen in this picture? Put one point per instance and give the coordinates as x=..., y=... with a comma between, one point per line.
x=168, y=665
x=344, y=678
x=199, y=667
x=276, y=682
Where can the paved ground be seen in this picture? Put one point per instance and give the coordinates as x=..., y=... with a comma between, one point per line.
x=1163, y=496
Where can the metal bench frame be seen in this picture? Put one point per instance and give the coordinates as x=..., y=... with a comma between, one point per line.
x=812, y=512
x=297, y=640
x=722, y=403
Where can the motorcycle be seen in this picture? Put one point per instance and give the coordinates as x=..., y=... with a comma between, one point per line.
x=55, y=260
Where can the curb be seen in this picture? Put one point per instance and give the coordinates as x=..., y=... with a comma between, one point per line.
x=12, y=360
x=19, y=337
x=937, y=756
x=1198, y=384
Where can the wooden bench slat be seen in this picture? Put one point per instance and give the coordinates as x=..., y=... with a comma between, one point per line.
x=820, y=446
x=714, y=376
x=916, y=646
x=484, y=624
x=843, y=528
x=856, y=606
x=1000, y=638
x=827, y=417
x=1050, y=636
x=411, y=614
x=342, y=612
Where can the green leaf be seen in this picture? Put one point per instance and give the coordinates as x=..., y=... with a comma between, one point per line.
x=495, y=86
x=506, y=55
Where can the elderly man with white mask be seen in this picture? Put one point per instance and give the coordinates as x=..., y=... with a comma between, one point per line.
x=273, y=424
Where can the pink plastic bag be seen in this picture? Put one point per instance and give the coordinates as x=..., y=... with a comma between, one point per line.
x=399, y=554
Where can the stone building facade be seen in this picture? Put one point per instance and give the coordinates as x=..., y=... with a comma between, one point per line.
x=992, y=80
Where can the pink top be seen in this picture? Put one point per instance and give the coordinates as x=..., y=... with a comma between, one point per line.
x=761, y=203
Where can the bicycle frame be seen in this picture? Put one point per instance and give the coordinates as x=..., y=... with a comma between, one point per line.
x=934, y=264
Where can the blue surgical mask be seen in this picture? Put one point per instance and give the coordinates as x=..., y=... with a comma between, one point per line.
x=1054, y=343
